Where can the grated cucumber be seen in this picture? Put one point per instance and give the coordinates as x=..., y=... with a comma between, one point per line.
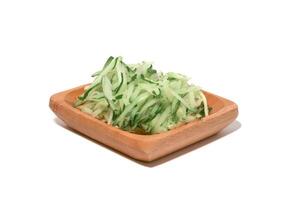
x=137, y=98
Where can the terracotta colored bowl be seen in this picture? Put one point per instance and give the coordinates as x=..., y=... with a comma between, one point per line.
x=144, y=147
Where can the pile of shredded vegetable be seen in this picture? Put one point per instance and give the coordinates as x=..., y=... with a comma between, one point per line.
x=137, y=98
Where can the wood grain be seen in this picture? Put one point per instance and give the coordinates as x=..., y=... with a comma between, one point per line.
x=144, y=147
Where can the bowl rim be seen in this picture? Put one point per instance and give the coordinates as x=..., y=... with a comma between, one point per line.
x=63, y=99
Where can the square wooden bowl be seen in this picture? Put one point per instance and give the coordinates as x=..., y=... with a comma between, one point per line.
x=144, y=147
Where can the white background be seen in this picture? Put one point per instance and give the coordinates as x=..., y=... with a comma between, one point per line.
x=247, y=51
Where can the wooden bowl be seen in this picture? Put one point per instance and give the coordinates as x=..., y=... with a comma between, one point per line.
x=144, y=147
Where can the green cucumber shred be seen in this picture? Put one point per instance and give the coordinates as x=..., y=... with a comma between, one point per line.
x=141, y=100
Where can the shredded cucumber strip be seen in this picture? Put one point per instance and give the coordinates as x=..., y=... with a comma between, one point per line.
x=137, y=98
